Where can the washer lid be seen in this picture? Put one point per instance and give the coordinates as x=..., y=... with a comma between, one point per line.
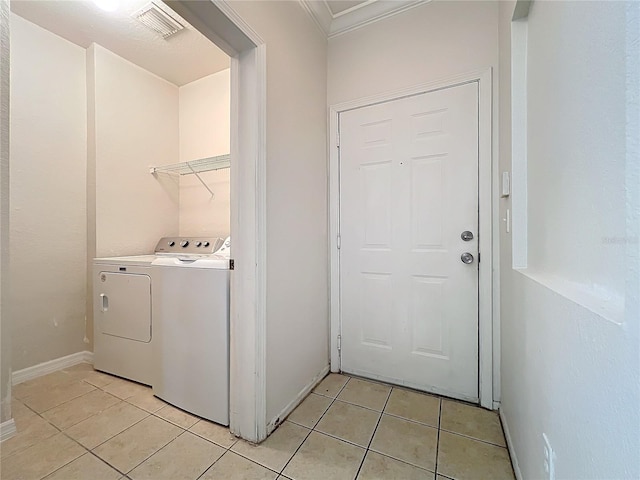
x=209, y=261
x=143, y=260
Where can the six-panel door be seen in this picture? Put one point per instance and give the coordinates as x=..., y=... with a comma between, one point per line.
x=408, y=189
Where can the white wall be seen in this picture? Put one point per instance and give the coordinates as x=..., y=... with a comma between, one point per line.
x=567, y=371
x=205, y=132
x=5, y=331
x=576, y=150
x=429, y=42
x=297, y=278
x=136, y=126
x=48, y=207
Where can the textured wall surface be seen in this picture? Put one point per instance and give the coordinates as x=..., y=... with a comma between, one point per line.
x=205, y=132
x=567, y=371
x=48, y=197
x=576, y=150
x=136, y=126
x=426, y=43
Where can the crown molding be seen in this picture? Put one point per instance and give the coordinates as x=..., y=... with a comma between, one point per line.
x=356, y=17
x=319, y=13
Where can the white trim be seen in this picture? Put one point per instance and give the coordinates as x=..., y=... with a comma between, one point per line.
x=334, y=232
x=487, y=165
x=512, y=450
x=319, y=13
x=51, y=366
x=226, y=8
x=349, y=10
x=332, y=25
x=248, y=219
x=261, y=245
x=279, y=418
x=88, y=356
x=7, y=430
x=487, y=208
x=374, y=12
x=248, y=210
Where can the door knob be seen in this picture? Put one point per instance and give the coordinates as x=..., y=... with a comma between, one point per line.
x=466, y=236
x=466, y=257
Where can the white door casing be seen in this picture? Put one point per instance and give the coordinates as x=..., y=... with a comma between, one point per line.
x=218, y=21
x=408, y=188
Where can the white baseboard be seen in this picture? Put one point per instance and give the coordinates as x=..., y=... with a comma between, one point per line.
x=271, y=426
x=51, y=366
x=512, y=452
x=7, y=430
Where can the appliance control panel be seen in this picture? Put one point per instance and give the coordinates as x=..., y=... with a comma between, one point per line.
x=189, y=245
x=225, y=249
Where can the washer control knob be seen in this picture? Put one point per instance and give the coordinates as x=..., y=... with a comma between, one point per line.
x=184, y=243
x=171, y=243
x=205, y=244
x=198, y=244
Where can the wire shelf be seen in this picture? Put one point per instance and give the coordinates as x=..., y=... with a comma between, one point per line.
x=194, y=166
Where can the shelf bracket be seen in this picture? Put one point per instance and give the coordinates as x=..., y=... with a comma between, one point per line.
x=201, y=181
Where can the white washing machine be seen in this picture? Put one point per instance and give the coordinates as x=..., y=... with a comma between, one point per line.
x=191, y=332
x=123, y=320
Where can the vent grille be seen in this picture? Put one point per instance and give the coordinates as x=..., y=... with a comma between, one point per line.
x=156, y=19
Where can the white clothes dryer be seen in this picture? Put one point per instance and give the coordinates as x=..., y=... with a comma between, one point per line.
x=122, y=322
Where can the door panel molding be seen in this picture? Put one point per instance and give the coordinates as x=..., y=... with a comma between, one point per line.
x=488, y=264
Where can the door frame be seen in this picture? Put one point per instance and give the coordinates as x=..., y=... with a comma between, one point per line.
x=487, y=166
x=219, y=22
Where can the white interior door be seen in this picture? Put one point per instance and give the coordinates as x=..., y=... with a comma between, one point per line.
x=408, y=189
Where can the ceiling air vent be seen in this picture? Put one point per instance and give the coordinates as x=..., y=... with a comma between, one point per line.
x=153, y=17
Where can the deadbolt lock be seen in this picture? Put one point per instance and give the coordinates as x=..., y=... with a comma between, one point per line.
x=466, y=236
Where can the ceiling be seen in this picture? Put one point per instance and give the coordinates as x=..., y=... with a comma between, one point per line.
x=181, y=59
x=335, y=17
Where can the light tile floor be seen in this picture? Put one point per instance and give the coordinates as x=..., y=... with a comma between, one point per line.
x=82, y=424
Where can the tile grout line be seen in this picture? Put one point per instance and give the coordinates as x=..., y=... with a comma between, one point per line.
x=211, y=441
x=399, y=460
x=154, y=453
x=91, y=451
x=473, y=438
x=367, y=450
x=226, y=450
x=311, y=430
x=246, y=458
